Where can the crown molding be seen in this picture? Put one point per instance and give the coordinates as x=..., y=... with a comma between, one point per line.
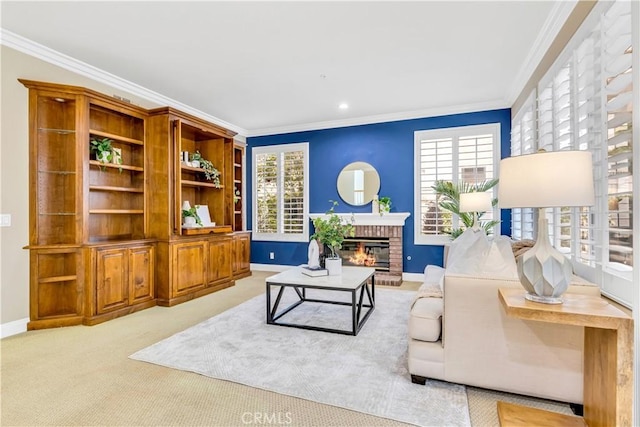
x=382, y=118
x=31, y=48
x=552, y=26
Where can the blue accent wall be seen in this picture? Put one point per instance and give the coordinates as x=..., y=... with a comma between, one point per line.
x=388, y=147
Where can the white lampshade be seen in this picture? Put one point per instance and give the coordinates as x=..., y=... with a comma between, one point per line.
x=475, y=202
x=546, y=179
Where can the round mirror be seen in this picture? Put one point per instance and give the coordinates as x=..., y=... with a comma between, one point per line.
x=358, y=183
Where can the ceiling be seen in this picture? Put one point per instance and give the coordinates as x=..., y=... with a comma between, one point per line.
x=269, y=67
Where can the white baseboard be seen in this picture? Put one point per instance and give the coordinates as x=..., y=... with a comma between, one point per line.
x=270, y=267
x=413, y=277
x=13, y=328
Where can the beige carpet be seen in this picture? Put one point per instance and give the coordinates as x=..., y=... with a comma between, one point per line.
x=82, y=376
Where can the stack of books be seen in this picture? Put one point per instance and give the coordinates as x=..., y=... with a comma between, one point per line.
x=314, y=271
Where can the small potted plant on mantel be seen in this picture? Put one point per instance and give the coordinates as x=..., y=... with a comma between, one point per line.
x=384, y=204
x=331, y=231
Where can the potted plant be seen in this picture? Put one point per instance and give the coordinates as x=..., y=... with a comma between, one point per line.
x=210, y=172
x=384, y=204
x=449, y=199
x=102, y=149
x=190, y=217
x=331, y=231
x=105, y=152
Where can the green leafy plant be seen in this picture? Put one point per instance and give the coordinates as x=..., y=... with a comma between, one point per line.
x=384, y=204
x=105, y=152
x=236, y=195
x=332, y=231
x=449, y=199
x=102, y=149
x=210, y=172
x=191, y=212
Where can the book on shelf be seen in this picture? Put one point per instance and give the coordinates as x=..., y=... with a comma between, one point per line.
x=314, y=271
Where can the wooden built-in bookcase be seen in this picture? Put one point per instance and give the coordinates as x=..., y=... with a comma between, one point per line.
x=107, y=238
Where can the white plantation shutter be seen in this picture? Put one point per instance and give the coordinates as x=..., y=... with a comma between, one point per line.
x=466, y=154
x=617, y=77
x=280, y=200
x=587, y=136
x=523, y=142
x=293, y=217
x=436, y=164
x=266, y=190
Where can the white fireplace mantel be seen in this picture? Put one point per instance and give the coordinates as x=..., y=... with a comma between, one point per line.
x=390, y=219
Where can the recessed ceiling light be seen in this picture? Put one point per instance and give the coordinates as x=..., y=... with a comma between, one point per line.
x=343, y=106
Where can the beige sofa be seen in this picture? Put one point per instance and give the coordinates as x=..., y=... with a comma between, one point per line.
x=466, y=337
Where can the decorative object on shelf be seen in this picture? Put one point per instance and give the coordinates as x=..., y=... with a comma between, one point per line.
x=331, y=233
x=190, y=217
x=375, y=205
x=205, y=217
x=116, y=157
x=102, y=149
x=384, y=205
x=448, y=196
x=474, y=203
x=184, y=158
x=236, y=196
x=544, y=180
x=210, y=172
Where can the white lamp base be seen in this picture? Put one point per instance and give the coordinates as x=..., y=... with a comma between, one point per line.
x=543, y=299
x=544, y=272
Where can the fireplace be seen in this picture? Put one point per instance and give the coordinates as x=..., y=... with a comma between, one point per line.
x=375, y=231
x=366, y=251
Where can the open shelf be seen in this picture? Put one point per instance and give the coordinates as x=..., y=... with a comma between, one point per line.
x=116, y=166
x=122, y=189
x=116, y=137
x=189, y=183
x=117, y=211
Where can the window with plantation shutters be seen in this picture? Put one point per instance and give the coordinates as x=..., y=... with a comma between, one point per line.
x=464, y=154
x=585, y=102
x=280, y=200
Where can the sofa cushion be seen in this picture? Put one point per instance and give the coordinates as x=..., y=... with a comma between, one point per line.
x=433, y=276
x=425, y=320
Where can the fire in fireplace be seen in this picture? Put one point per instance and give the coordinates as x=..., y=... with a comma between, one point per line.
x=369, y=252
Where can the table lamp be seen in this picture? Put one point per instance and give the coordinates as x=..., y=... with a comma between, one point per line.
x=475, y=202
x=544, y=180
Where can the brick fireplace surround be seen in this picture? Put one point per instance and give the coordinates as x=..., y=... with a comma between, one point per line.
x=388, y=225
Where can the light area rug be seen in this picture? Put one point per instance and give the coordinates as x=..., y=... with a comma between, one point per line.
x=366, y=373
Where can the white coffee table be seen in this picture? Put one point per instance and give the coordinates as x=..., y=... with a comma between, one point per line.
x=357, y=281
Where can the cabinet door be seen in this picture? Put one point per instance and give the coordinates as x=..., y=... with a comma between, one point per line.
x=241, y=253
x=190, y=268
x=141, y=274
x=112, y=290
x=219, y=260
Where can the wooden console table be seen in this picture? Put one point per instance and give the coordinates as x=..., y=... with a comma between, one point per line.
x=608, y=359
